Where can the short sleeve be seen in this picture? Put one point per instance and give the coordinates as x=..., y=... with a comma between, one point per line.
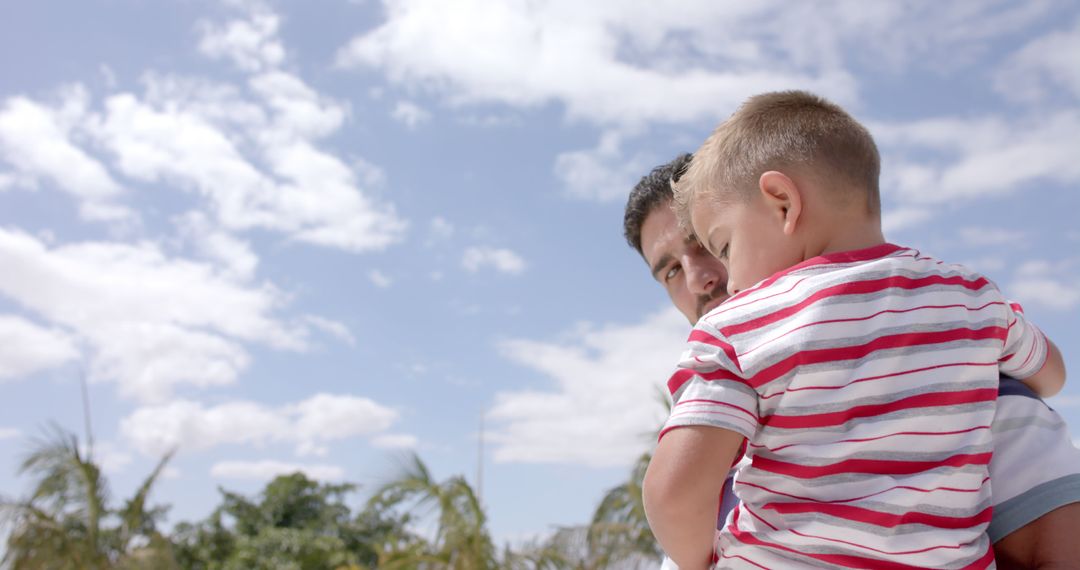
x=1025, y=349
x=707, y=389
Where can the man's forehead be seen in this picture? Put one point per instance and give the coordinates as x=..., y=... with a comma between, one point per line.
x=663, y=239
x=659, y=229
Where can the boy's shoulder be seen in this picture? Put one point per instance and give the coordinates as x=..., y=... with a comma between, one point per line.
x=862, y=274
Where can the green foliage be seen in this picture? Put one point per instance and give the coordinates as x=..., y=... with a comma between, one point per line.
x=461, y=539
x=297, y=524
x=619, y=528
x=66, y=522
x=617, y=537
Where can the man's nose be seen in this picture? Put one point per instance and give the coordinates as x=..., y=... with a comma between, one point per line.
x=701, y=278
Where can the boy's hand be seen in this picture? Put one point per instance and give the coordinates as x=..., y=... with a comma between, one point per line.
x=682, y=487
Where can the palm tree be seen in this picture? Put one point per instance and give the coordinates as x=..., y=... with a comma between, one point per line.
x=619, y=531
x=59, y=526
x=461, y=540
x=617, y=537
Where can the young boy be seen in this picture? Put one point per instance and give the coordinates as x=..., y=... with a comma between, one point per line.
x=861, y=375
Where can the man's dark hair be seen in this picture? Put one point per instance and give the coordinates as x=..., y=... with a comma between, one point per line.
x=653, y=190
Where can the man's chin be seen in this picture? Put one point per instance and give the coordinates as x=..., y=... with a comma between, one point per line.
x=712, y=304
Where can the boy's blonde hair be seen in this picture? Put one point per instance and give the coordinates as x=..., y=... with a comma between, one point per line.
x=784, y=131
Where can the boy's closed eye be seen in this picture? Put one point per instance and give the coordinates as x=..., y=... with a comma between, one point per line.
x=720, y=252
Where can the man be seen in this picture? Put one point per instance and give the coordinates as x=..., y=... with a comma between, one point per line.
x=1035, y=470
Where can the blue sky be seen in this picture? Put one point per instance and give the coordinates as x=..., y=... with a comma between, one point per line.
x=317, y=235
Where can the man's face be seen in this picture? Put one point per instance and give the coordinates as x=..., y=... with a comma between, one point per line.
x=695, y=280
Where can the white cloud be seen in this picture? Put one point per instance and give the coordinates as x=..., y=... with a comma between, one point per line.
x=298, y=110
x=1047, y=284
x=618, y=62
x=602, y=173
x=897, y=219
x=251, y=44
x=1039, y=268
x=334, y=328
x=232, y=254
x=603, y=407
x=308, y=425
x=977, y=157
x=9, y=433
x=410, y=114
x=985, y=236
x=395, y=441
x=37, y=141
x=501, y=259
x=565, y=52
x=1047, y=291
x=380, y=279
x=267, y=470
x=109, y=457
x=26, y=348
x=249, y=150
x=1043, y=67
x=197, y=137
x=108, y=76
x=151, y=321
x=986, y=263
x=440, y=230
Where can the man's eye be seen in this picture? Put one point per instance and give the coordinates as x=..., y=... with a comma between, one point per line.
x=671, y=272
x=723, y=252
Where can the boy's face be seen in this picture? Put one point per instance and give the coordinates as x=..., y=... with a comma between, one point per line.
x=747, y=237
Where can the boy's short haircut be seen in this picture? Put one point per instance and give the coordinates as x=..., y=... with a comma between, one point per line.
x=783, y=131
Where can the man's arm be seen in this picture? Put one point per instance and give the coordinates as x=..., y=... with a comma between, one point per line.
x=682, y=488
x=1048, y=543
x=1049, y=380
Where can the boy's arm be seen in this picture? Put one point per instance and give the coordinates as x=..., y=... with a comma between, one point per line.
x=1029, y=356
x=682, y=487
x=1049, y=380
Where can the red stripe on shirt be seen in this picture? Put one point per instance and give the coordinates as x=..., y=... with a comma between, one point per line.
x=854, y=288
x=845, y=560
x=865, y=318
x=874, y=466
x=878, y=377
x=930, y=400
x=886, y=436
x=863, y=546
x=867, y=254
x=680, y=377
x=752, y=415
x=703, y=337
x=880, y=519
x=850, y=499
x=817, y=356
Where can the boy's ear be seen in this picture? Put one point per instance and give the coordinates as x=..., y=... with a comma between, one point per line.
x=782, y=197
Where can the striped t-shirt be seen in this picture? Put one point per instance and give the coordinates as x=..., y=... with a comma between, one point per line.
x=865, y=383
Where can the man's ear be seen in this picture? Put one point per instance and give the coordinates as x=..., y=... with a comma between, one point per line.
x=782, y=197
